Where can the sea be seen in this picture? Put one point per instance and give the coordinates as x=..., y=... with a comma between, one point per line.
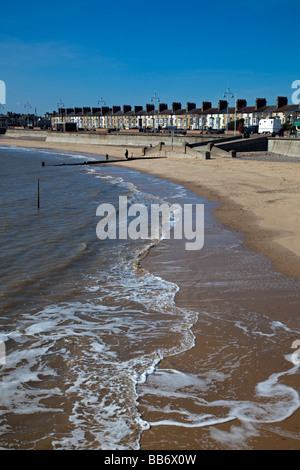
x=84, y=326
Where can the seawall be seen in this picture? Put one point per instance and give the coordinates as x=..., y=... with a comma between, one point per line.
x=253, y=144
x=27, y=134
x=137, y=139
x=130, y=140
x=288, y=147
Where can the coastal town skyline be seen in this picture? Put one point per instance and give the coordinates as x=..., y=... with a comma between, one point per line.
x=31, y=107
x=203, y=115
x=124, y=52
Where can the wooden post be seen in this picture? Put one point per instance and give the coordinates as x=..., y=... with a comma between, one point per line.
x=38, y=194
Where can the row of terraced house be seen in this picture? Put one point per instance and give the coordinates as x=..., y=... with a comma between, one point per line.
x=176, y=117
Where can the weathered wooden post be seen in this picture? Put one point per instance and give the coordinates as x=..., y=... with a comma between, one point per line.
x=38, y=194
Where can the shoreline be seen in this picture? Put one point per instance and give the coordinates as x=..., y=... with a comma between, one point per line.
x=258, y=199
x=268, y=241
x=206, y=340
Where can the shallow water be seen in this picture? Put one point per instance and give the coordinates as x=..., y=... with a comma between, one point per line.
x=81, y=321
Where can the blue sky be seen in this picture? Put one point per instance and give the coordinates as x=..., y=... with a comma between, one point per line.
x=124, y=51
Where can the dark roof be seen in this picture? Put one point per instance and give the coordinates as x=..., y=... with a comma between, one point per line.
x=224, y=111
x=179, y=111
x=165, y=112
x=130, y=113
x=153, y=112
x=142, y=112
x=195, y=111
x=246, y=109
x=288, y=108
x=210, y=111
x=266, y=109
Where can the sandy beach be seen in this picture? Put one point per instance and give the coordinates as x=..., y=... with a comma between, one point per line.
x=259, y=200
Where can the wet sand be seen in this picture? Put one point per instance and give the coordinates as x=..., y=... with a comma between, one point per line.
x=238, y=298
x=260, y=202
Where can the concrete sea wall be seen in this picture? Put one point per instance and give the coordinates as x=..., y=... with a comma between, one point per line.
x=113, y=138
x=26, y=134
x=254, y=144
x=130, y=140
x=166, y=151
x=288, y=147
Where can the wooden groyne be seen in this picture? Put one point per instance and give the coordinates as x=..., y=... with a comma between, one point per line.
x=97, y=162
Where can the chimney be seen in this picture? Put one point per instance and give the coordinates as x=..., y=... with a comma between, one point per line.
x=126, y=108
x=240, y=104
x=149, y=108
x=222, y=105
x=70, y=110
x=115, y=109
x=77, y=110
x=260, y=103
x=176, y=106
x=206, y=105
x=190, y=106
x=138, y=108
x=61, y=111
x=86, y=110
x=162, y=107
x=281, y=101
x=96, y=110
x=104, y=109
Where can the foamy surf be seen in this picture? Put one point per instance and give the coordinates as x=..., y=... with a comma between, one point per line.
x=82, y=341
x=283, y=400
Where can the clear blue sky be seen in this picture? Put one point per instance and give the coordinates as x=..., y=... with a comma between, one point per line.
x=124, y=51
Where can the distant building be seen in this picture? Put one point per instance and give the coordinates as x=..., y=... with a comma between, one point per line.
x=11, y=119
x=188, y=118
